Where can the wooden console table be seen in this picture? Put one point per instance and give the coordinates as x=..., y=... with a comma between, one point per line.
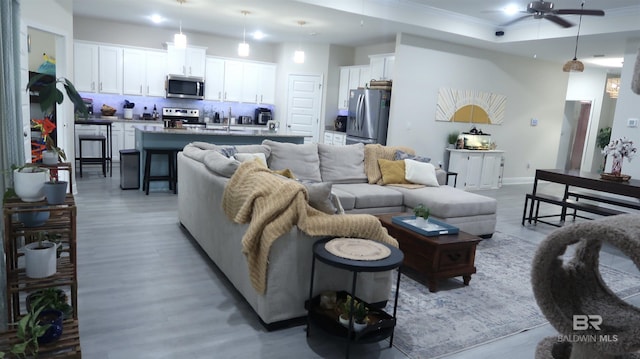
x=437, y=257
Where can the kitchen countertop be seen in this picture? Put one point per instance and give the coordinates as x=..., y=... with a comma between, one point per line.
x=217, y=131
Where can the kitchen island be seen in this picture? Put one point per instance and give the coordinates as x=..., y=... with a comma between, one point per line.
x=176, y=138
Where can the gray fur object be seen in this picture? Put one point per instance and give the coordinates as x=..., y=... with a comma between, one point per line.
x=566, y=287
x=635, y=79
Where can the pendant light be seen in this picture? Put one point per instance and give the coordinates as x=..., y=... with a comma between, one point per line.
x=575, y=65
x=180, y=39
x=298, y=56
x=243, y=47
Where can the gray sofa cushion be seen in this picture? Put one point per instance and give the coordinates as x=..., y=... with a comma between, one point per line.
x=320, y=196
x=301, y=159
x=347, y=200
x=342, y=164
x=370, y=196
x=447, y=202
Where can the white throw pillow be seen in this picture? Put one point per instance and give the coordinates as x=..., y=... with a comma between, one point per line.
x=242, y=157
x=421, y=173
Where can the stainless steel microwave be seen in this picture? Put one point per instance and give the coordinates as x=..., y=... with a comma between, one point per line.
x=191, y=87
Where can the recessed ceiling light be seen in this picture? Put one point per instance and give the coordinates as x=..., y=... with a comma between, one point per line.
x=258, y=35
x=156, y=18
x=511, y=9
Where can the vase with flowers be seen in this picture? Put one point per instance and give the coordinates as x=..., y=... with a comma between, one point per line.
x=619, y=149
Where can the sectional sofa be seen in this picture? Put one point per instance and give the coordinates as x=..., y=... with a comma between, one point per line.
x=351, y=175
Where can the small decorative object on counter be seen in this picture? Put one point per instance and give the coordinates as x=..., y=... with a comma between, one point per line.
x=422, y=214
x=128, y=109
x=154, y=114
x=452, y=138
x=618, y=149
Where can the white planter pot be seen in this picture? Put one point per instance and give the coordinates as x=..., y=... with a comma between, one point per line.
x=357, y=327
x=40, y=262
x=29, y=185
x=421, y=222
x=50, y=158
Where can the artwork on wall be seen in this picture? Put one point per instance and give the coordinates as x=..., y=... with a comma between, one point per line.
x=470, y=106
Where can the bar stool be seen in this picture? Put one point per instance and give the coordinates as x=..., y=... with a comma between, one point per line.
x=103, y=152
x=171, y=176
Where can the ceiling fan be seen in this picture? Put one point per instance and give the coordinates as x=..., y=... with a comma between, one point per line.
x=545, y=10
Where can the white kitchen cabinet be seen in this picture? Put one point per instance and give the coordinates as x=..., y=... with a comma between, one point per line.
x=382, y=66
x=133, y=71
x=144, y=72
x=233, y=80
x=117, y=136
x=156, y=73
x=110, y=69
x=476, y=169
x=343, y=90
x=214, y=79
x=351, y=77
x=187, y=62
x=267, y=84
x=85, y=67
x=250, y=73
x=328, y=138
x=339, y=138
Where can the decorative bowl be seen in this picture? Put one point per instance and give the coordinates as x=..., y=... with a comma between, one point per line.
x=109, y=112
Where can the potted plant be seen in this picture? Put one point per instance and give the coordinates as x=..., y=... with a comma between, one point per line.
x=29, y=329
x=40, y=256
x=619, y=149
x=29, y=182
x=422, y=215
x=360, y=312
x=52, y=153
x=55, y=190
x=50, y=298
x=452, y=138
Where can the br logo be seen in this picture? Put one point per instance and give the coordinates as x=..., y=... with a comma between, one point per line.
x=584, y=322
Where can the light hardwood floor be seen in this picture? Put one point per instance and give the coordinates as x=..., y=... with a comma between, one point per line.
x=146, y=290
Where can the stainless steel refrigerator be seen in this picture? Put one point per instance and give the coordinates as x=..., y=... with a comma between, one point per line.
x=368, y=116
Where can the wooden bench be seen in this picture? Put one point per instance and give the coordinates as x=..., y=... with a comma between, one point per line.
x=564, y=204
x=605, y=199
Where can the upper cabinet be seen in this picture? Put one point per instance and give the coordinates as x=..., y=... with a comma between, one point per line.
x=249, y=82
x=187, y=62
x=351, y=77
x=214, y=79
x=98, y=68
x=382, y=66
x=144, y=72
x=85, y=67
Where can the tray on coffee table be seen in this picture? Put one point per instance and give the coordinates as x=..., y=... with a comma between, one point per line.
x=433, y=227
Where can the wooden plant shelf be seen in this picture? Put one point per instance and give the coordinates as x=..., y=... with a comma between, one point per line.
x=68, y=346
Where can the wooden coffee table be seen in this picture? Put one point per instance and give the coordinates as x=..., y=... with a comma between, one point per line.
x=437, y=257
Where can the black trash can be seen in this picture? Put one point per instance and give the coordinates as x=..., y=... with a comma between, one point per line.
x=129, y=169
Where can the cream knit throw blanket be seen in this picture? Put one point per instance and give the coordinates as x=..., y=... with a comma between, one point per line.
x=273, y=205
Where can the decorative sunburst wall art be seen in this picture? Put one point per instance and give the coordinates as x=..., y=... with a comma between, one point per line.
x=470, y=106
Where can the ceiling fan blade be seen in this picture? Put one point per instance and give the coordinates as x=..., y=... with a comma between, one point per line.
x=578, y=12
x=515, y=20
x=558, y=20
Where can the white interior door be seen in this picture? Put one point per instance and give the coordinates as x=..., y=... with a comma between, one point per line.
x=303, y=106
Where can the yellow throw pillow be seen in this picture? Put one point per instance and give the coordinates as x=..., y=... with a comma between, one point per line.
x=373, y=152
x=392, y=171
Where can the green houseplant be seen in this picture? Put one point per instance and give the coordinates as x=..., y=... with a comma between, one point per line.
x=452, y=138
x=41, y=256
x=50, y=298
x=29, y=329
x=602, y=141
x=422, y=214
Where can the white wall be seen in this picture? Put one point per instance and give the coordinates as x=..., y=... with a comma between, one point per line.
x=56, y=17
x=149, y=36
x=534, y=89
x=41, y=43
x=338, y=56
x=628, y=106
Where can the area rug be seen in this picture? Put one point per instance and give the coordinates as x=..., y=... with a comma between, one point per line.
x=498, y=302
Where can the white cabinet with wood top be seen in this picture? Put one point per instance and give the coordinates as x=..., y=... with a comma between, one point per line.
x=476, y=169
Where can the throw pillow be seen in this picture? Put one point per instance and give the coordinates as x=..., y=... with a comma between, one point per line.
x=421, y=173
x=342, y=164
x=220, y=164
x=320, y=196
x=392, y=171
x=372, y=153
x=254, y=149
x=401, y=155
x=251, y=156
x=302, y=159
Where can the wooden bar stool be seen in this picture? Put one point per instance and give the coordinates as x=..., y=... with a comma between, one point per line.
x=93, y=160
x=172, y=174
